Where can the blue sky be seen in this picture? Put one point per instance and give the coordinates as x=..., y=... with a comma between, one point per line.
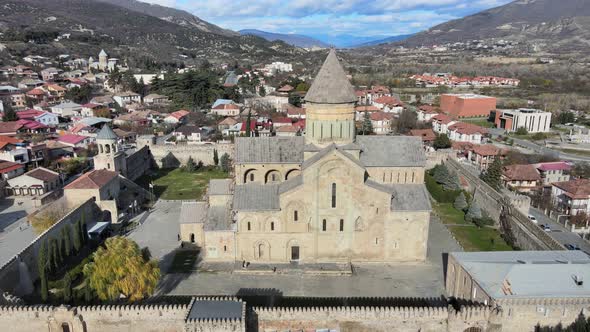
x=325, y=19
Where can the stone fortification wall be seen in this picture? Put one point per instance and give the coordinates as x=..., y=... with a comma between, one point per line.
x=174, y=155
x=9, y=272
x=139, y=162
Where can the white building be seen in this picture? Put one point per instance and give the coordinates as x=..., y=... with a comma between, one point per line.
x=67, y=109
x=533, y=120
x=579, y=134
x=572, y=197
x=279, y=67
x=466, y=132
x=125, y=98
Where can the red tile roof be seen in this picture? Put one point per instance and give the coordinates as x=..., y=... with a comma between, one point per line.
x=369, y=108
x=429, y=109
x=226, y=107
x=442, y=118
x=467, y=128
x=286, y=88
x=427, y=135
x=179, y=114
x=28, y=114
x=30, y=124
x=288, y=129
x=71, y=139
x=380, y=116
x=93, y=180
x=554, y=166
x=10, y=126
x=9, y=166
x=388, y=100
x=521, y=173
x=282, y=120
x=576, y=189
x=486, y=150
x=36, y=92
x=43, y=174
x=252, y=125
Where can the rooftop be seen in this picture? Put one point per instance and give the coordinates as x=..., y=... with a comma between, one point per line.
x=215, y=309
x=467, y=96
x=331, y=85
x=400, y=151
x=255, y=150
x=93, y=180
x=521, y=173
x=577, y=189
x=106, y=133
x=43, y=174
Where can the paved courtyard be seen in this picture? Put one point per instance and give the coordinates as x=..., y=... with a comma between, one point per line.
x=15, y=233
x=159, y=232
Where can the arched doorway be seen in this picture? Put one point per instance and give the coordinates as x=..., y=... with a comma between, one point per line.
x=294, y=252
x=262, y=251
x=192, y=238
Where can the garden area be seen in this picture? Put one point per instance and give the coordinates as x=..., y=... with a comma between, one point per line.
x=180, y=183
x=469, y=224
x=482, y=122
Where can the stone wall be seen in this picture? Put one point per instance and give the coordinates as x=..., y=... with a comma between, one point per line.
x=9, y=272
x=174, y=155
x=139, y=162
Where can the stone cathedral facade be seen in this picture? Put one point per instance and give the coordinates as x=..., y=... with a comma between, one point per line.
x=327, y=197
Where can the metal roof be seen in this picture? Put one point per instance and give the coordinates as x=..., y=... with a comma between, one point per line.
x=331, y=86
x=256, y=197
x=404, y=197
x=193, y=212
x=211, y=309
x=107, y=133
x=391, y=151
x=282, y=150
x=220, y=186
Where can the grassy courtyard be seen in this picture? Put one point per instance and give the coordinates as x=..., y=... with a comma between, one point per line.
x=482, y=122
x=177, y=184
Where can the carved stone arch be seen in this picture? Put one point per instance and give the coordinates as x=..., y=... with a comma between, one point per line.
x=290, y=209
x=272, y=224
x=107, y=148
x=292, y=173
x=262, y=251
x=253, y=224
x=334, y=167
x=250, y=175
x=272, y=175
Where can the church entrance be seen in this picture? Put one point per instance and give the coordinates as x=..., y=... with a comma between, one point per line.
x=295, y=253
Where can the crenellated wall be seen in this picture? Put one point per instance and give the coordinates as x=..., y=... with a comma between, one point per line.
x=174, y=155
x=139, y=162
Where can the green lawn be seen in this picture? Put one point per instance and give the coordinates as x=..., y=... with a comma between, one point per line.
x=176, y=184
x=483, y=122
x=184, y=261
x=448, y=214
x=473, y=238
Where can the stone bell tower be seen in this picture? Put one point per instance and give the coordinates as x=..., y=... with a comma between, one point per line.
x=330, y=106
x=110, y=154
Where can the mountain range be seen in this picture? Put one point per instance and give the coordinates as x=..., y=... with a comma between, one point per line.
x=291, y=39
x=553, y=25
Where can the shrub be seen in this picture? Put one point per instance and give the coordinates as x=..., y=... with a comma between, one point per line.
x=521, y=131
x=461, y=202
x=438, y=193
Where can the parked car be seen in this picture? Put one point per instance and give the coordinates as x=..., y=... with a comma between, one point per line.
x=571, y=246
x=532, y=218
x=546, y=227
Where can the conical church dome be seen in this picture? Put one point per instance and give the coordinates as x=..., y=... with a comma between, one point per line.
x=331, y=86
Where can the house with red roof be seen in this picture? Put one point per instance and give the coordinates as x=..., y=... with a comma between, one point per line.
x=441, y=123
x=9, y=170
x=287, y=131
x=362, y=109
x=427, y=112
x=300, y=125
x=281, y=122
x=294, y=112
x=76, y=141
x=551, y=172
x=571, y=197
x=37, y=95
x=102, y=184
x=389, y=104
x=243, y=127
x=381, y=122
x=427, y=135
x=285, y=89
x=229, y=109
x=177, y=117
x=466, y=132
x=46, y=118
x=521, y=178
x=91, y=109
x=35, y=182
x=482, y=155
x=13, y=150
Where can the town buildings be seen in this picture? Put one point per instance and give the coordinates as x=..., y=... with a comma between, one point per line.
x=533, y=120
x=521, y=178
x=572, y=197
x=551, y=172
x=579, y=134
x=35, y=182
x=467, y=105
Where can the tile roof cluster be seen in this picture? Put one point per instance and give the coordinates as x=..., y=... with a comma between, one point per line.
x=486, y=150
x=71, y=139
x=521, y=173
x=179, y=114
x=380, y=116
x=429, y=109
x=9, y=166
x=467, y=128
x=442, y=118
x=576, y=189
x=554, y=166
x=93, y=180
x=388, y=100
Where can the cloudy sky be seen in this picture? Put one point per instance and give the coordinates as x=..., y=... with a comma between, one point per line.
x=330, y=19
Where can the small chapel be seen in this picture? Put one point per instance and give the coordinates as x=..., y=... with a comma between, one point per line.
x=330, y=196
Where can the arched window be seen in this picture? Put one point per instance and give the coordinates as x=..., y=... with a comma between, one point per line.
x=295, y=216
x=333, y=195
x=108, y=166
x=225, y=248
x=273, y=177
x=100, y=148
x=251, y=177
x=272, y=226
x=107, y=148
x=342, y=225
x=249, y=226
x=192, y=238
x=324, y=225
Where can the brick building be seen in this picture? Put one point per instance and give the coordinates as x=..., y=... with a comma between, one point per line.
x=467, y=105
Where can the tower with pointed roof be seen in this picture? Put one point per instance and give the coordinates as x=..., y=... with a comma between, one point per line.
x=110, y=154
x=103, y=60
x=330, y=106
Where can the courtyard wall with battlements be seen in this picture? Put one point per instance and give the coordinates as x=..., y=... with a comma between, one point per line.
x=175, y=155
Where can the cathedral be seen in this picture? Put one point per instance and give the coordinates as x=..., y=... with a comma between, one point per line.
x=327, y=197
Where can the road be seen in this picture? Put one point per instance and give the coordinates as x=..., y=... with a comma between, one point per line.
x=559, y=232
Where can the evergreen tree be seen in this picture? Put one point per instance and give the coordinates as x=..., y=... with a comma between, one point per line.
x=68, y=240
x=62, y=245
x=473, y=213
x=215, y=157
x=441, y=141
x=493, y=175
x=440, y=173
x=190, y=165
x=84, y=231
x=77, y=241
x=9, y=114
x=42, y=266
x=87, y=293
x=225, y=163
x=367, y=124
x=451, y=182
x=262, y=91
x=54, y=255
x=248, y=122
x=461, y=202
x=67, y=290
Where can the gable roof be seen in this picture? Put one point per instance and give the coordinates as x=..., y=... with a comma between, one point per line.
x=404, y=197
x=179, y=114
x=467, y=128
x=331, y=86
x=93, y=180
x=577, y=189
x=392, y=151
x=71, y=139
x=10, y=127
x=8, y=166
x=43, y=174
x=254, y=150
x=226, y=107
x=554, y=166
x=427, y=135
x=521, y=173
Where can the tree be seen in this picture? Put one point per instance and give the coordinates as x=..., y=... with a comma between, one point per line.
x=262, y=91
x=442, y=141
x=367, y=127
x=42, y=266
x=451, y=182
x=54, y=254
x=493, y=175
x=215, y=157
x=521, y=131
x=68, y=240
x=248, y=123
x=566, y=117
x=77, y=240
x=190, y=165
x=225, y=162
x=83, y=230
x=407, y=121
x=581, y=324
x=440, y=173
x=67, y=289
x=461, y=202
x=9, y=114
x=295, y=99
x=473, y=213
x=581, y=170
x=120, y=269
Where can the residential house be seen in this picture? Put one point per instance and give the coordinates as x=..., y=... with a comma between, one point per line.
x=579, y=134
x=37, y=95
x=287, y=131
x=107, y=101
x=30, y=83
x=226, y=123
x=381, y=122
x=12, y=128
x=533, y=120
x=427, y=112
x=222, y=102
x=441, y=123
x=51, y=73
x=38, y=154
x=286, y=89
x=481, y=156
x=46, y=118
x=67, y=109
x=91, y=109
x=136, y=119
x=521, y=178
x=362, y=109
x=572, y=197
x=125, y=136
x=294, y=112
x=552, y=172
x=281, y=122
x=9, y=169
x=189, y=133
x=177, y=117
x=12, y=96
x=389, y=104
x=156, y=99
x=466, y=132
x=13, y=150
x=76, y=141
x=427, y=135
x=35, y=182
x=125, y=98
x=55, y=91
x=226, y=110
x=57, y=150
